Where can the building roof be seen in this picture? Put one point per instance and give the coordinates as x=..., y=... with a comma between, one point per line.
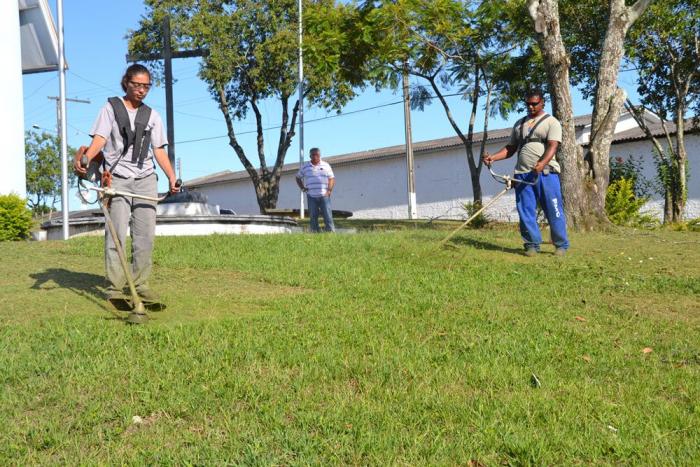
x=423, y=147
x=38, y=37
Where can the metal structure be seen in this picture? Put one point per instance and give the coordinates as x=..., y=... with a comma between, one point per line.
x=63, y=135
x=301, y=105
x=410, y=172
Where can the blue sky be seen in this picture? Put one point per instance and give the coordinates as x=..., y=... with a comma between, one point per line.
x=95, y=47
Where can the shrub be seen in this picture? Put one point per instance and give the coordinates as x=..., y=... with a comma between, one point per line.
x=480, y=220
x=693, y=225
x=622, y=205
x=631, y=169
x=15, y=218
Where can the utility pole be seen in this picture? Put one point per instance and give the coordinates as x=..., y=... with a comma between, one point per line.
x=58, y=109
x=412, y=211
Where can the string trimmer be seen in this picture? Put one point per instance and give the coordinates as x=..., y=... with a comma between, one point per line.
x=104, y=194
x=508, y=181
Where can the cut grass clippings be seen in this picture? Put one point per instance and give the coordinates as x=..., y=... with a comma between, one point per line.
x=374, y=348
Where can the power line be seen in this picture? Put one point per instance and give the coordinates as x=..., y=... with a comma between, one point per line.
x=39, y=88
x=276, y=127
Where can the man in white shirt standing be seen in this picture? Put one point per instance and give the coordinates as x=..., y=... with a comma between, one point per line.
x=316, y=179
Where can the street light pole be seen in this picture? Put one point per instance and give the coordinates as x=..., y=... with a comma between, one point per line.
x=65, y=209
x=301, y=106
x=412, y=211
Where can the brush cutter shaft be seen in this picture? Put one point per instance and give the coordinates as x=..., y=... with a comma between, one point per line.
x=137, y=303
x=111, y=192
x=493, y=200
x=508, y=179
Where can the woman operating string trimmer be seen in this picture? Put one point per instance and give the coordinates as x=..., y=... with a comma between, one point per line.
x=130, y=136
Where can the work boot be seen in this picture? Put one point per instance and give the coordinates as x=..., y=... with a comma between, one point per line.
x=560, y=252
x=530, y=252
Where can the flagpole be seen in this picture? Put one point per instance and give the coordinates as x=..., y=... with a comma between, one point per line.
x=63, y=133
x=301, y=107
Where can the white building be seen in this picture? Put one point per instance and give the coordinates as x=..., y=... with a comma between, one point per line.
x=30, y=45
x=372, y=184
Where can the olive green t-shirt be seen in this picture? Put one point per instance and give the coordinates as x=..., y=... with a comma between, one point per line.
x=548, y=130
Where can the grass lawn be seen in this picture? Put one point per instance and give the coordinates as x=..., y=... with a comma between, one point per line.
x=374, y=348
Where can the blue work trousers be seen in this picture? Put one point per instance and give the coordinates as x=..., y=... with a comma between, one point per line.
x=547, y=193
x=320, y=205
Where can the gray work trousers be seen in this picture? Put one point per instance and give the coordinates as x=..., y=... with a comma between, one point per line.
x=140, y=216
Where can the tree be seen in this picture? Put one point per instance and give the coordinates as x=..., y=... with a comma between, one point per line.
x=451, y=45
x=43, y=170
x=666, y=52
x=585, y=176
x=252, y=57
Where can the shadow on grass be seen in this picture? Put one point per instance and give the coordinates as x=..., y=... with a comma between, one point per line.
x=482, y=245
x=84, y=284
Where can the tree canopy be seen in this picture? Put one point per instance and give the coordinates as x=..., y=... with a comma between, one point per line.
x=251, y=56
x=43, y=170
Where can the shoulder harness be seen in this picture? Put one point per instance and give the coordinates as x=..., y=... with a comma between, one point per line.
x=523, y=140
x=139, y=138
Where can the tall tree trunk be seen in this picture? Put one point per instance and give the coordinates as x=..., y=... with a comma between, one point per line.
x=474, y=169
x=265, y=180
x=545, y=14
x=681, y=191
x=609, y=99
x=585, y=181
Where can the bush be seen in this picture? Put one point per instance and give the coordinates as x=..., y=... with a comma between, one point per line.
x=622, y=205
x=15, y=218
x=480, y=220
x=631, y=169
x=693, y=225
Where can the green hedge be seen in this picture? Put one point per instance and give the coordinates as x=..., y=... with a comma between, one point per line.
x=15, y=218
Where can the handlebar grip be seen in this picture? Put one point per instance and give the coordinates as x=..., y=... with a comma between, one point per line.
x=178, y=183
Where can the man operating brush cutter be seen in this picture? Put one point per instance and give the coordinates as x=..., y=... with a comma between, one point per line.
x=127, y=137
x=506, y=180
x=535, y=139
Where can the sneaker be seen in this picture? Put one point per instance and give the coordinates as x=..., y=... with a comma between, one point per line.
x=530, y=252
x=560, y=252
x=119, y=300
x=117, y=295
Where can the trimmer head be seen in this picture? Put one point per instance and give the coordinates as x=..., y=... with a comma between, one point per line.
x=137, y=318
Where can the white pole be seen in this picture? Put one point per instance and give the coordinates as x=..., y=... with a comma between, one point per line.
x=63, y=132
x=301, y=106
x=412, y=211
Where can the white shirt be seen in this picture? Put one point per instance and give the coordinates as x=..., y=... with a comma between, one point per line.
x=316, y=177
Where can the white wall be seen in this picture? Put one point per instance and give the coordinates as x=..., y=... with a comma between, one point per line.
x=377, y=188
x=643, y=149
x=12, y=175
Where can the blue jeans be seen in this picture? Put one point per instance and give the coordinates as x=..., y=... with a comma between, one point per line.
x=321, y=205
x=547, y=193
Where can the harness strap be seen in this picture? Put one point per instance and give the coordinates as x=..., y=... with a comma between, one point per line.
x=140, y=138
x=529, y=139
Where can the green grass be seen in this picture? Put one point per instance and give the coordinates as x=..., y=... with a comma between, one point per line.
x=375, y=348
